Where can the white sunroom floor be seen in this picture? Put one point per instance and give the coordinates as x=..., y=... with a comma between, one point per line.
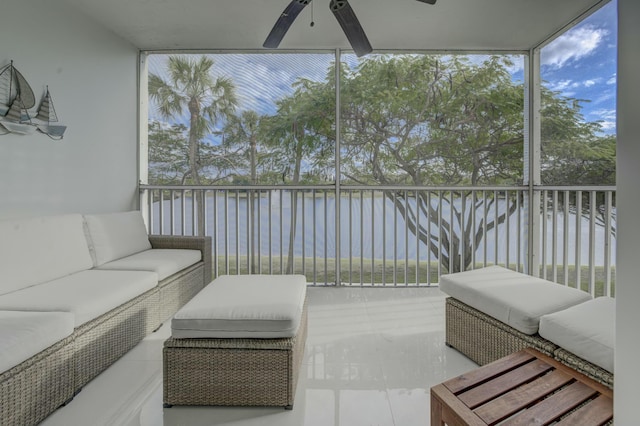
x=372, y=355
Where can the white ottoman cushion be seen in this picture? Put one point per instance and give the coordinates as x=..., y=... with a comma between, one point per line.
x=244, y=306
x=25, y=334
x=164, y=262
x=516, y=299
x=586, y=330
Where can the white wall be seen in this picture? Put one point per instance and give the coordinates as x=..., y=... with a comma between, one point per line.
x=627, y=369
x=92, y=77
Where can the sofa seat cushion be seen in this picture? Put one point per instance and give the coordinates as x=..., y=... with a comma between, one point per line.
x=586, y=330
x=516, y=299
x=116, y=235
x=37, y=250
x=244, y=306
x=87, y=294
x=164, y=262
x=25, y=334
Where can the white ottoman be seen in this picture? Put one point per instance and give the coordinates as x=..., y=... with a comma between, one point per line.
x=494, y=311
x=239, y=342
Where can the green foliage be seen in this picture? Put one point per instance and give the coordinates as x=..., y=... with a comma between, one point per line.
x=405, y=119
x=191, y=89
x=301, y=135
x=573, y=151
x=168, y=153
x=424, y=120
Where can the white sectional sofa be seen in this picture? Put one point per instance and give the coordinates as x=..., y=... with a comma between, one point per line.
x=76, y=293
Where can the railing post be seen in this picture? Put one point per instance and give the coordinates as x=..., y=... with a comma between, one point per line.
x=532, y=159
x=337, y=178
x=201, y=200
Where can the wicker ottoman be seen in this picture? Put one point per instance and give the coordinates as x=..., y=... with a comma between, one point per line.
x=239, y=342
x=493, y=311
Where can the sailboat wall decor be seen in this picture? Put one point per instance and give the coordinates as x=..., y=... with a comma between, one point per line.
x=16, y=98
x=47, y=114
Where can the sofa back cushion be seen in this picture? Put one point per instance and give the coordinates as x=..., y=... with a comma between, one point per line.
x=115, y=235
x=37, y=250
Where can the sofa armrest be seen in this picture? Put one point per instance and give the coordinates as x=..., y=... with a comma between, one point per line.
x=203, y=244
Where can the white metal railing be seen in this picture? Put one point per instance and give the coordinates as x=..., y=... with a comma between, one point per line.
x=578, y=230
x=395, y=235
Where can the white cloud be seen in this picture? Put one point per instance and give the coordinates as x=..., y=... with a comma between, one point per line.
x=560, y=85
x=606, y=117
x=605, y=114
x=608, y=126
x=573, y=45
x=613, y=79
x=569, y=87
x=604, y=97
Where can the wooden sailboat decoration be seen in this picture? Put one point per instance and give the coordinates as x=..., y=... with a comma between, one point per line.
x=16, y=97
x=47, y=114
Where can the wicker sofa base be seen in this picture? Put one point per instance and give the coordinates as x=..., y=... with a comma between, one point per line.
x=101, y=342
x=30, y=391
x=484, y=339
x=585, y=367
x=177, y=290
x=233, y=372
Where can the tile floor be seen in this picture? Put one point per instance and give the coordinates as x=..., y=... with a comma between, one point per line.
x=371, y=356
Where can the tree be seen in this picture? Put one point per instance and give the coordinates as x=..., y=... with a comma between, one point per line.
x=574, y=152
x=420, y=120
x=410, y=120
x=241, y=136
x=168, y=153
x=302, y=135
x=190, y=88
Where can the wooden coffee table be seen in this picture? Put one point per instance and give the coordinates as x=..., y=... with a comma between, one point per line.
x=524, y=388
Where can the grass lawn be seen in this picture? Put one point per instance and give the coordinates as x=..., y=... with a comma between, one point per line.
x=379, y=273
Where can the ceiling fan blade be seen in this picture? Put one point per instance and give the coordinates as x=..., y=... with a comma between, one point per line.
x=351, y=26
x=428, y=1
x=284, y=22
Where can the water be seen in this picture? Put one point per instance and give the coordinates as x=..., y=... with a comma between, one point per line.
x=382, y=233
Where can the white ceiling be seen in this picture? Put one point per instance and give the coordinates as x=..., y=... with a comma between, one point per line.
x=389, y=24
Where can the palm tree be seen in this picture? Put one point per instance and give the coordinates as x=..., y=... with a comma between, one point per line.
x=189, y=86
x=242, y=133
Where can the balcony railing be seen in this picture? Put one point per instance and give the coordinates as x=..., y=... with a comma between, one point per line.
x=388, y=236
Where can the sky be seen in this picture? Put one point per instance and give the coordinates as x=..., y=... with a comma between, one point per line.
x=580, y=63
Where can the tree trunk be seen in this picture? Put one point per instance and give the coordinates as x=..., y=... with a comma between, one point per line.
x=442, y=235
x=294, y=208
x=194, y=147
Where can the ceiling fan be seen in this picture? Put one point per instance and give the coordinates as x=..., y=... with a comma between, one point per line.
x=341, y=10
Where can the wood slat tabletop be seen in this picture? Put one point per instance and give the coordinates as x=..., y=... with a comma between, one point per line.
x=524, y=388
